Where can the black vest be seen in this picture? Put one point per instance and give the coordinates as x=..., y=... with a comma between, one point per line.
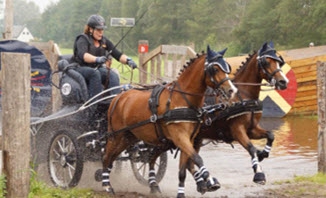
x=96, y=51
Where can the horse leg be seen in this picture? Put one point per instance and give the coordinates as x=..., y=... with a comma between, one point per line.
x=187, y=151
x=259, y=133
x=115, y=145
x=153, y=185
x=265, y=153
x=182, y=176
x=210, y=185
x=259, y=176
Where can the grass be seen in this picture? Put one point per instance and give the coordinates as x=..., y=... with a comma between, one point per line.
x=319, y=178
x=301, y=186
x=39, y=189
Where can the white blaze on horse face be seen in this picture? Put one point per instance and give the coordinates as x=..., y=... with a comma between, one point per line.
x=282, y=74
x=233, y=88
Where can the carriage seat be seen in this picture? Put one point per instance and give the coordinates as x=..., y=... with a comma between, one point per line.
x=73, y=87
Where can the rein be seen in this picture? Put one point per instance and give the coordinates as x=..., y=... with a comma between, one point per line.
x=171, y=89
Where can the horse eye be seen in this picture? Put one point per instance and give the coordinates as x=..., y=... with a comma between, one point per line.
x=282, y=63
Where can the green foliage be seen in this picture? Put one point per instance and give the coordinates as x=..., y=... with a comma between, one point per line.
x=240, y=25
x=3, y=186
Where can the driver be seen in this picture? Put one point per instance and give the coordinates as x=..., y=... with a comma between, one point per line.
x=92, y=51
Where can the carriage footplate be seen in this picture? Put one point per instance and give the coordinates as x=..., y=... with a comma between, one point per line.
x=93, y=140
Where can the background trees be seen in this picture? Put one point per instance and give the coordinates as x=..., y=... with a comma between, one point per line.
x=240, y=25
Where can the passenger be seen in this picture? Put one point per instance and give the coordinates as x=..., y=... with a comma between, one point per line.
x=91, y=51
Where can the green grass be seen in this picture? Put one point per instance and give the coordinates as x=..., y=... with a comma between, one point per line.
x=318, y=178
x=39, y=189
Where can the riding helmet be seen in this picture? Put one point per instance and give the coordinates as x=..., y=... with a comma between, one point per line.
x=96, y=21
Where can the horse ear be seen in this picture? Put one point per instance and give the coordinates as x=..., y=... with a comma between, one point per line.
x=223, y=51
x=271, y=44
x=210, y=53
x=263, y=48
x=208, y=49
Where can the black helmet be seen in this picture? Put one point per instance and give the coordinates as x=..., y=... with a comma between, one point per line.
x=96, y=21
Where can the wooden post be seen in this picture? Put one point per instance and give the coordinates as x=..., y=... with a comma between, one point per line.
x=142, y=50
x=321, y=93
x=9, y=18
x=16, y=101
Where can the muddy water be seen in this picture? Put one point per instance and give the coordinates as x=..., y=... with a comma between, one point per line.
x=295, y=136
x=294, y=153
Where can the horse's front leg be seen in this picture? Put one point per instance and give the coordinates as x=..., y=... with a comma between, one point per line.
x=153, y=185
x=258, y=133
x=259, y=176
x=202, y=185
x=204, y=181
x=182, y=178
x=265, y=153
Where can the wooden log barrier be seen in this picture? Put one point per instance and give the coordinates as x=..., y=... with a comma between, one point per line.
x=16, y=101
x=321, y=95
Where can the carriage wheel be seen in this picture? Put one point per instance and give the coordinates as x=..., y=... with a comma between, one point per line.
x=65, y=160
x=140, y=167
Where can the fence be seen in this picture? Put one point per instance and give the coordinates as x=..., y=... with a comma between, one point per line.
x=169, y=57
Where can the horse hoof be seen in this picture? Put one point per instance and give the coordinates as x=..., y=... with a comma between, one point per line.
x=155, y=189
x=201, y=187
x=213, y=185
x=109, y=190
x=259, y=178
x=181, y=195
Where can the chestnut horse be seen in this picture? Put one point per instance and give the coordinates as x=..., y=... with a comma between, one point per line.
x=239, y=121
x=169, y=114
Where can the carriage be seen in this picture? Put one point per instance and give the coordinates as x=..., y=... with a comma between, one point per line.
x=76, y=130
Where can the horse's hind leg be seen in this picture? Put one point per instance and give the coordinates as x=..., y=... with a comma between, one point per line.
x=115, y=145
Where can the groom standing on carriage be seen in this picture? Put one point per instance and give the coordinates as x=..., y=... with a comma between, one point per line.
x=91, y=51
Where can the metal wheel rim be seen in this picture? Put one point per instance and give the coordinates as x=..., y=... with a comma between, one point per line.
x=142, y=168
x=62, y=160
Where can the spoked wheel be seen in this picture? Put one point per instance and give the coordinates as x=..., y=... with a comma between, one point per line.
x=65, y=160
x=139, y=160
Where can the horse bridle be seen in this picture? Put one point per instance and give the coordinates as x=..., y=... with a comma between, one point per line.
x=262, y=63
x=211, y=71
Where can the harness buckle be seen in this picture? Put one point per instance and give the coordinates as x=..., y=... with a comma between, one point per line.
x=153, y=118
x=208, y=121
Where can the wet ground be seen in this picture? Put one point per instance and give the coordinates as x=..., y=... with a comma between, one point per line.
x=294, y=153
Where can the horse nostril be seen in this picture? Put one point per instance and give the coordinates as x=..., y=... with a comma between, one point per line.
x=230, y=92
x=282, y=84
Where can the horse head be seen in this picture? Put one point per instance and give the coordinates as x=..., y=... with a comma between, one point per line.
x=217, y=70
x=270, y=64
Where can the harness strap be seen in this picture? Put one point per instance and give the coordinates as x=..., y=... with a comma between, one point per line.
x=153, y=103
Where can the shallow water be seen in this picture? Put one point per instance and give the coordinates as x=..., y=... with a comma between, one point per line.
x=293, y=135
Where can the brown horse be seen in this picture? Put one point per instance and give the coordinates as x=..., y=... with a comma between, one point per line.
x=239, y=121
x=166, y=115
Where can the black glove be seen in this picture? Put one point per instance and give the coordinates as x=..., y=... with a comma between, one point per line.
x=131, y=63
x=100, y=59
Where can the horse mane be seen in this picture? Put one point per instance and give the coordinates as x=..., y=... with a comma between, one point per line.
x=190, y=62
x=244, y=64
